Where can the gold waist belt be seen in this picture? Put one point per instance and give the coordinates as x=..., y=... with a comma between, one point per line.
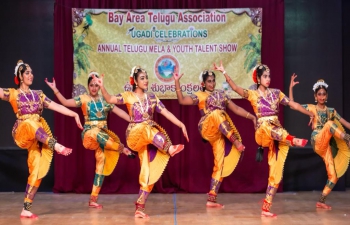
x=98, y=123
x=35, y=117
x=273, y=120
x=267, y=118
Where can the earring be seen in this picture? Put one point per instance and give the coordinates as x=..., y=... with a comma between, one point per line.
x=315, y=100
x=326, y=101
x=21, y=81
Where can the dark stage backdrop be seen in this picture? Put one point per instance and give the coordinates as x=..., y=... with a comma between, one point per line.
x=314, y=50
x=27, y=34
x=189, y=171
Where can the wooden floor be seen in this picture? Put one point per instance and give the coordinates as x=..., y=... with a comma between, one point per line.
x=62, y=209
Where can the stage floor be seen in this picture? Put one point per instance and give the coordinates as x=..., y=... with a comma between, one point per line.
x=182, y=209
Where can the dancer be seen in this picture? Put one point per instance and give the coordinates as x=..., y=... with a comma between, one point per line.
x=96, y=135
x=269, y=133
x=216, y=127
x=31, y=131
x=143, y=134
x=328, y=137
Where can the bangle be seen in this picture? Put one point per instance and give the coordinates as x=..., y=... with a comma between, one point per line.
x=223, y=72
x=56, y=92
x=247, y=115
x=178, y=90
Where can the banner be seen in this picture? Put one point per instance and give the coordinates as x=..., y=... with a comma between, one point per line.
x=164, y=42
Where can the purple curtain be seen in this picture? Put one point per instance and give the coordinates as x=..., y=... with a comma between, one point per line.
x=190, y=171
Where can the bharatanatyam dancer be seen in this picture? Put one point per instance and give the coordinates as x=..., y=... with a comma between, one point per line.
x=32, y=132
x=328, y=137
x=216, y=127
x=269, y=133
x=143, y=134
x=96, y=135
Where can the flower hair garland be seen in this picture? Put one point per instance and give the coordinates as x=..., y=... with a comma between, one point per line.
x=20, y=62
x=318, y=84
x=210, y=73
x=93, y=73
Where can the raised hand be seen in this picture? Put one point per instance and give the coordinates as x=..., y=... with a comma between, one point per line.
x=52, y=84
x=98, y=81
x=219, y=68
x=292, y=80
x=177, y=76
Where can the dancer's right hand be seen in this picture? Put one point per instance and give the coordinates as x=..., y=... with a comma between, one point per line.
x=77, y=120
x=98, y=81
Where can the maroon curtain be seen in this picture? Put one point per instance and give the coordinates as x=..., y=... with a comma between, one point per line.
x=189, y=171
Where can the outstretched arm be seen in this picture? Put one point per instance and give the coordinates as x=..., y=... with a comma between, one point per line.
x=111, y=99
x=292, y=84
x=241, y=112
x=187, y=100
x=345, y=123
x=63, y=110
x=1, y=93
x=121, y=113
x=175, y=121
x=60, y=97
x=239, y=90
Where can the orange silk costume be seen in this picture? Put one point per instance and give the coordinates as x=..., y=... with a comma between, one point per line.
x=328, y=144
x=147, y=138
x=270, y=134
x=31, y=132
x=217, y=128
x=97, y=137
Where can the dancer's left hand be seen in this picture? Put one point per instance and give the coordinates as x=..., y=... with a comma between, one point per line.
x=219, y=68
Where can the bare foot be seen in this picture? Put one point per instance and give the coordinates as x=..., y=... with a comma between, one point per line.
x=214, y=205
x=323, y=205
x=128, y=153
x=28, y=214
x=95, y=205
x=299, y=142
x=140, y=214
x=60, y=149
x=174, y=149
x=239, y=146
x=268, y=214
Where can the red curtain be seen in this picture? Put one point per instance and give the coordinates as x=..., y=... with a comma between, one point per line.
x=190, y=171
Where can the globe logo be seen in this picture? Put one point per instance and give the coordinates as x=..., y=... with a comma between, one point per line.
x=165, y=67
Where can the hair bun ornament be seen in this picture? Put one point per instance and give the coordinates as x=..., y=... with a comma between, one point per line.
x=19, y=62
x=319, y=83
x=201, y=77
x=16, y=80
x=132, y=81
x=255, y=75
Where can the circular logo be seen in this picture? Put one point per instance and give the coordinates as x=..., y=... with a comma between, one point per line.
x=165, y=67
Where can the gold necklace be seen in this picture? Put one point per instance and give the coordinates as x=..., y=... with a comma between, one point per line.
x=144, y=112
x=98, y=112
